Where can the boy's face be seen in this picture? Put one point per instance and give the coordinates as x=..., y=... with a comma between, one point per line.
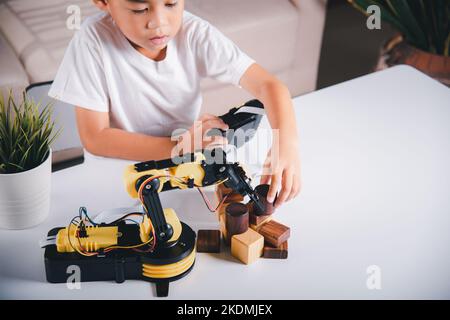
x=143, y=20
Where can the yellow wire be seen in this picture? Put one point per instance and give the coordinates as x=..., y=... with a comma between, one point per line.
x=129, y=247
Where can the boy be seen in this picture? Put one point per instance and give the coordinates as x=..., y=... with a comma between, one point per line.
x=133, y=73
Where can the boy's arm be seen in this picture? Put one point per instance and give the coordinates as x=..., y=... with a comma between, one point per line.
x=99, y=139
x=280, y=112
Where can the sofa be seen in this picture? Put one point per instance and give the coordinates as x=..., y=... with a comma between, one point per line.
x=284, y=36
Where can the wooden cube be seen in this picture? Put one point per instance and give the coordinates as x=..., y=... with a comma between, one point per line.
x=208, y=241
x=234, y=197
x=247, y=246
x=223, y=229
x=257, y=221
x=274, y=232
x=222, y=191
x=272, y=252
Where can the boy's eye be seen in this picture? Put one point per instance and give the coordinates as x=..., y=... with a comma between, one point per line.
x=170, y=5
x=140, y=11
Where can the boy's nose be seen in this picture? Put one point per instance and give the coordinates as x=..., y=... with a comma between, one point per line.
x=157, y=19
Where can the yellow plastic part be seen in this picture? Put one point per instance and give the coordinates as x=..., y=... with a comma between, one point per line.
x=168, y=270
x=171, y=218
x=98, y=237
x=145, y=229
x=130, y=176
x=190, y=170
x=183, y=171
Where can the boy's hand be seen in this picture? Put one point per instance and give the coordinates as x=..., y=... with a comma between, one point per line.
x=195, y=138
x=283, y=169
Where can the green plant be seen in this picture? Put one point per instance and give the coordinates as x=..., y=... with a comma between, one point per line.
x=423, y=23
x=26, y=134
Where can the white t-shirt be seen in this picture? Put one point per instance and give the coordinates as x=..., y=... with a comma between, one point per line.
x=102, y=71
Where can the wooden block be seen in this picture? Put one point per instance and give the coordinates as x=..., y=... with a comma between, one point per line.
x=234, y=197
x=222, y=191
x=216, y=192
x=274, y=232
x=247, y=246
x=221, y=210
x=208, y=241
x=255, y=222
x=236, y=219
x=271, y=252
x=223, y=230
x=258, y=220
x=262, y=190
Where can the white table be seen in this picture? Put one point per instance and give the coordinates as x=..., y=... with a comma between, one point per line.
x=376, y=179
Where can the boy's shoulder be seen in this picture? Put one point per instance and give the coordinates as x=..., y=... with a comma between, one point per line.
x=96, y=28
x=193, y=26
x=191, y=20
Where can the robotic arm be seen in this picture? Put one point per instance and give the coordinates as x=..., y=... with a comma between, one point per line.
x=146, y=179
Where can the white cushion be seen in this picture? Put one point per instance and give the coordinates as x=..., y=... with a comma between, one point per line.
x=37, y=29
x=12, y=75
x=38, y=34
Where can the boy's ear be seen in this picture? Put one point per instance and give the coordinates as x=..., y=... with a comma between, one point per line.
x=101, y=4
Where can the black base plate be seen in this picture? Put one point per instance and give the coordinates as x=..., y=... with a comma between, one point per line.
x=119, y=265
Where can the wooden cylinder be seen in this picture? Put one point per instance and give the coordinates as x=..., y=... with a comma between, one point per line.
x=236, y=219
x=262, y=190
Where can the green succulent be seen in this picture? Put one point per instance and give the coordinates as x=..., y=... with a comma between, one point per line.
x=423, y=23
x=26, y=133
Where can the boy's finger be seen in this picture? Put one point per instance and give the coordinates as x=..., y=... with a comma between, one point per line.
x=265, y=179
x=216, y=141
x=220, y=120
x=220, y=140
x=286, y=188
x=207, y=116
x=295, y=189
x=215, y=123
x=273, y=187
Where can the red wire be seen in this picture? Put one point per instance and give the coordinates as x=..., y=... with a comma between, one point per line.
x=208, y=203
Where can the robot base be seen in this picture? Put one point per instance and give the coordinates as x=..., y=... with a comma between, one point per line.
x=161, y=266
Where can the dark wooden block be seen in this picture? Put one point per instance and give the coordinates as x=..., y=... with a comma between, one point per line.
x=236, y=219
x=231, y=196
x=208, y=241
x=258, y=220
x=274, y=232
x=271, y=252
x=262, y=190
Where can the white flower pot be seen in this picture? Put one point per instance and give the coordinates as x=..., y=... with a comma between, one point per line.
x=25, y=196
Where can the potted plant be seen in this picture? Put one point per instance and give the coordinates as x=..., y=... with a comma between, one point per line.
x=26, y=134
x=424, y=35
